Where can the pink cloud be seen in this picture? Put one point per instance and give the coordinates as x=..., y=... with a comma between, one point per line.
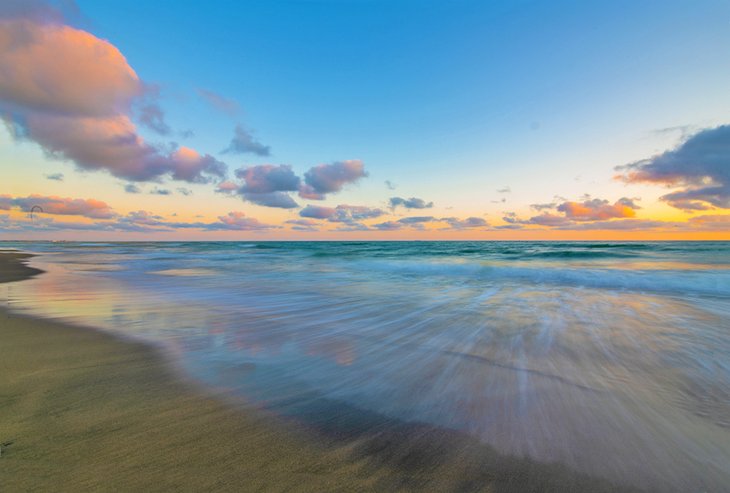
x=61, y=70
x=72, y=93
x=227, y=187
x=331, y=178
x=92, y=208
x=267, y=178
x=239, y=222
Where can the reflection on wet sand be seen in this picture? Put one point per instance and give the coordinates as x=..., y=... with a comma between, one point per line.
x=629, y=385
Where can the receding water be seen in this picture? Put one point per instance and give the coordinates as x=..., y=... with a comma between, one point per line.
x=611, y=358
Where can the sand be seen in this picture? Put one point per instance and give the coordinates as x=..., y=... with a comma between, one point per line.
x=13, y=266
x=82, y=410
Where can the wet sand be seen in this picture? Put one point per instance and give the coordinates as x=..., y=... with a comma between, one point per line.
x=82, y=410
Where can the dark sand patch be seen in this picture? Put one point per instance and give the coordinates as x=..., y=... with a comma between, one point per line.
x=13, y=266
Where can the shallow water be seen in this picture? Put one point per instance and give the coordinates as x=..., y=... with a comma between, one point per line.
x=611, y=358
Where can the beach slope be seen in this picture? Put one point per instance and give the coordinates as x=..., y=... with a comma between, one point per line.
x=81, y=410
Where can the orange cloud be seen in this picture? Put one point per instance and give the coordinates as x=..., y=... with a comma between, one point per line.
x=598, y=210
x=92, y=208
x=61, y=70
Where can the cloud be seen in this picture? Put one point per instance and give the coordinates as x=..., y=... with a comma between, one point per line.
x=152, y=117
x=49, y=224
x=54, y=176
x=390, y=185
x=260, y=181
x=715, y=222
x=415, y=222
x=160, y=191
x=220, y=103
x=281, y=200
x=597, y=209
x=700, y=166
x=91, y=208
x=411, y=203
x=243, y=142
x=342, y=213
x=684, y=131
x=238, y=221
x=276, y=180
x=303, y=224
x=269, y=184
x=416, y=219
x=132, y=188
x=227, y=187
x=113, y=145
x=419, y=222
x=354, y=213
x=352, y=217
x=139, y=221
x=6, y=202
x=624, y=225
x=586, y=211
x=712, y=222
x=318, y=212
x=308, y=192
x=267, y=178
x=145, y=221
x=192, y=167
x=72, y=94
x=184, y=191
x=331, y=178
x=56, y=69
x=546, y=219
x=545, y=206
x=468, y=223
x=505, y=190
x=389, y=226
x=266, y=185
x=353, y=226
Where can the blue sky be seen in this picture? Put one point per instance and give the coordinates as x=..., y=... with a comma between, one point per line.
x=449, y=100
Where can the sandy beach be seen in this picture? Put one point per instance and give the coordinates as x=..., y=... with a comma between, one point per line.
x=82, y=410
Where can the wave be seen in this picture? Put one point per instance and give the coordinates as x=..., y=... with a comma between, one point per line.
x=493, y=249
x=577, y=254
x=714, y=283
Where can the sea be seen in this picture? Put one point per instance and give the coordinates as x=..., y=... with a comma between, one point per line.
x=611, y=358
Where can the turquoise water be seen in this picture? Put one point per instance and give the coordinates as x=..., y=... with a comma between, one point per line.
x=611, y=358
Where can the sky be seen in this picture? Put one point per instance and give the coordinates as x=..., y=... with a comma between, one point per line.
x=364, y=119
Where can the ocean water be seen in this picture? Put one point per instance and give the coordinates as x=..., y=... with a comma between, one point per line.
x=610, y=358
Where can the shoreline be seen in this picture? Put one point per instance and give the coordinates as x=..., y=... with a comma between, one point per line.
x=82, y=409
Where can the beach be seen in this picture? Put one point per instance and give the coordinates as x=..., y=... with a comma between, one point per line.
x=83, y=410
